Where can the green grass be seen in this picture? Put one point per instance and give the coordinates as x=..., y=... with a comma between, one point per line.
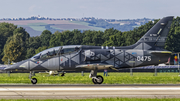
x=98, y=99
x=76, y=78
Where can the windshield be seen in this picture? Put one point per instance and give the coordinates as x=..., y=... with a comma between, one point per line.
x=48, y=52
x=56, y=51
x=69, y=50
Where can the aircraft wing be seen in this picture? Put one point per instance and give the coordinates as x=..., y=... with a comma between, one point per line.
x=95, y=67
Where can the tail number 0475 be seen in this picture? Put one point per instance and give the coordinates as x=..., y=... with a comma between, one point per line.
x=143, y=58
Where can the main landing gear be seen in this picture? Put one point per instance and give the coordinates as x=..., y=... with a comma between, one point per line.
x=63, y=73
x=33, y=80
x=96, y=79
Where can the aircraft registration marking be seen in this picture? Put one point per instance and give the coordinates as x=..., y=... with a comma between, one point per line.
x=143, y=58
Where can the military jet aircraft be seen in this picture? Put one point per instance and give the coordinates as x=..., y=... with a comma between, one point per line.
x=146, y=51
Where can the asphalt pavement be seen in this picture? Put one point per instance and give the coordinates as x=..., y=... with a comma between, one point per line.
x=46, y=91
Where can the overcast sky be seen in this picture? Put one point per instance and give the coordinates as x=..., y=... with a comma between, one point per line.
x=107, y=9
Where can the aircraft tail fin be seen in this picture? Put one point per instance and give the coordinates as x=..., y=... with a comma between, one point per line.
x=156, y=36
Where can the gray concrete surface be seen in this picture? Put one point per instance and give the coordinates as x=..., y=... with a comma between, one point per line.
x=87, y=91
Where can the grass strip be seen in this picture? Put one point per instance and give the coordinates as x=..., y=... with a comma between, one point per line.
x=76, y=78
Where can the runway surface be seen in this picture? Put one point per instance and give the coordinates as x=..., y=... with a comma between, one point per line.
x=88, y=91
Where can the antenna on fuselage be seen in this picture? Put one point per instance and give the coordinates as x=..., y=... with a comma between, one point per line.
x=59, y=50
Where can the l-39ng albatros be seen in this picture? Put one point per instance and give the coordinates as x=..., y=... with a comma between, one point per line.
x=146, y=51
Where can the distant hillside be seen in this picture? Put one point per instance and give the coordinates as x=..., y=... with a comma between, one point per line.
x=35, y=26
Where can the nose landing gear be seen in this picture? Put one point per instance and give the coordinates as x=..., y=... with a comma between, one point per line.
x=33, y=80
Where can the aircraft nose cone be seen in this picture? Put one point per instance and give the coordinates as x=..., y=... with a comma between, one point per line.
x=11, y=67
x=23, y=65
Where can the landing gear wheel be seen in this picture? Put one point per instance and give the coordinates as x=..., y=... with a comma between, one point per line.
x=98, y=80
x=94, y=80
x=62, y=74
x=33, y=80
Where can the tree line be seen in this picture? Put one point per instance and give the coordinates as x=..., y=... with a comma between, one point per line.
x=16, y=44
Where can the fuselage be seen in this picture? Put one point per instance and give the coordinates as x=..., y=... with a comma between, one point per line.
x=68, y=57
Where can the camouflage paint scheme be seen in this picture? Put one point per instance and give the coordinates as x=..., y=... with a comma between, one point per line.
x=147, y=51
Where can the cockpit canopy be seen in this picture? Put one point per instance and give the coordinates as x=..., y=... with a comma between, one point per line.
x=55, y=51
